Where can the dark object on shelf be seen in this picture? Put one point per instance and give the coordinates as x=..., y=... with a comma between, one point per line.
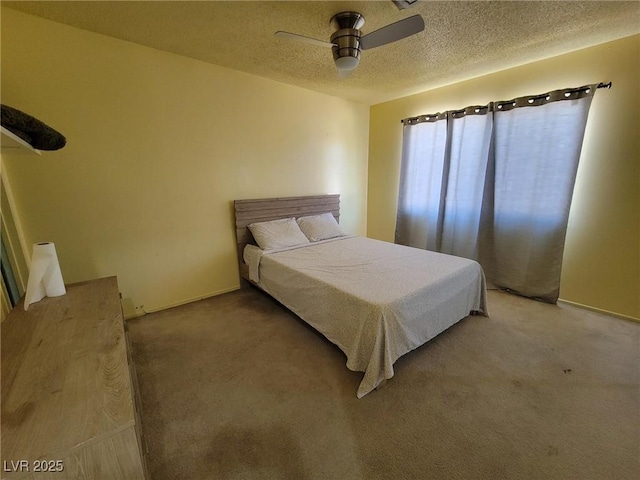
x=31, y=130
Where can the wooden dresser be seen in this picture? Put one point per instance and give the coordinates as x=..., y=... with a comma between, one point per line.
x=69, y=398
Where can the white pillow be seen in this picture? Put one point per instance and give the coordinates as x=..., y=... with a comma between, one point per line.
x=277, y=234
x=320, y=227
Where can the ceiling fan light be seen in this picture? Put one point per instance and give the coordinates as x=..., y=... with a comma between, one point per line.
x=347, y=63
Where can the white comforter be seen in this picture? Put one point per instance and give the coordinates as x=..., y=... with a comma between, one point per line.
x=375, y=300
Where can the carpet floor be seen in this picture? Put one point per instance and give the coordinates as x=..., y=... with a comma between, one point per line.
x=238, y=387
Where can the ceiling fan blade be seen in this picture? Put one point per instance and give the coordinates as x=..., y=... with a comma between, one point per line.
x=391, y=33
x=302, y=38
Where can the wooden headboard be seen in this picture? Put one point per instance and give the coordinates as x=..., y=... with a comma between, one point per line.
x=266, y=209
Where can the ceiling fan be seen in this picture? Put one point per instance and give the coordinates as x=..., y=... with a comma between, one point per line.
x=347, y=42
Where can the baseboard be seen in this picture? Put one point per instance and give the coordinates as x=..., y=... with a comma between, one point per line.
x=232, y=289
x=599, y=310
x=134, y=315
x=183, y=302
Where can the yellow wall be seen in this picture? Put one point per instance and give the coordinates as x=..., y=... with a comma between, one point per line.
x=601, y=264
x=158, y=147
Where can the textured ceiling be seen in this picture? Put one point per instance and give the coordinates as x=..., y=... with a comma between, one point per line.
x=461, y=40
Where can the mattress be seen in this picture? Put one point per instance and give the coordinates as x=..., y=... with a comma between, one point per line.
x=375, y=300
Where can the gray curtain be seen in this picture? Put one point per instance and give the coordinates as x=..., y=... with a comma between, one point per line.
x=494, y=183
x=421, y=184
x=470, y=134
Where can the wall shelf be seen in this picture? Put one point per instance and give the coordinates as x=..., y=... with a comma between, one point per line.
x=10, y=143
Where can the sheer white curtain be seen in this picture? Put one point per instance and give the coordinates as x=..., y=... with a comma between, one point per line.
x=494, y=184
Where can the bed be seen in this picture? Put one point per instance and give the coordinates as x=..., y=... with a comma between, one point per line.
x=375, y=300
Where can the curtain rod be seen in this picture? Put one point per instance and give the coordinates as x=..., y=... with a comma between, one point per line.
x=600, y=85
